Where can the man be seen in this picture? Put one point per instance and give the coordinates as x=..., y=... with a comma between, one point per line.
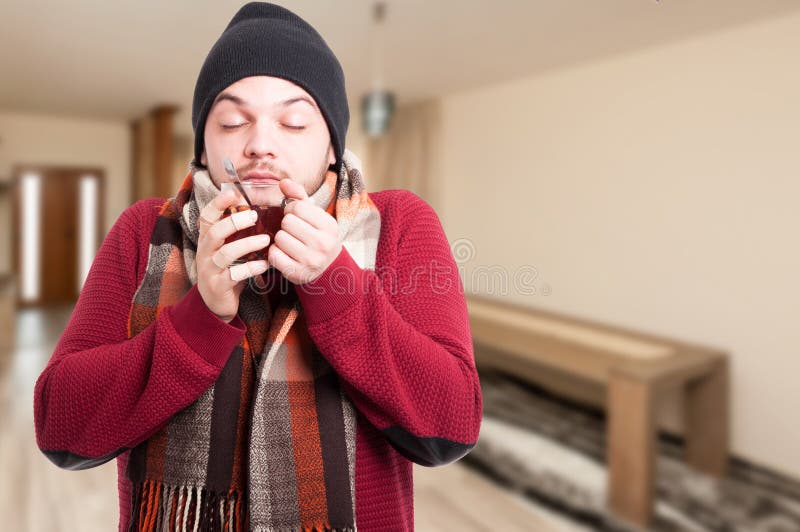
x=237, y=397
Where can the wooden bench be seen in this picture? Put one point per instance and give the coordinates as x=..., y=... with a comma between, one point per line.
x=634, y=371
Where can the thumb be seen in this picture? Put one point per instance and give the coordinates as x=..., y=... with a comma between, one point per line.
x=292, y=189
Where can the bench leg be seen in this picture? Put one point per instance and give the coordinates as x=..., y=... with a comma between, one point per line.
x=631, y=448
x=707, y=421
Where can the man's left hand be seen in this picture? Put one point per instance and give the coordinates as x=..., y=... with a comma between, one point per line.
x=308, y=241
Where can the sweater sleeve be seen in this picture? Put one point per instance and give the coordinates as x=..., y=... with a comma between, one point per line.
x=101, y=393
x=400, y=341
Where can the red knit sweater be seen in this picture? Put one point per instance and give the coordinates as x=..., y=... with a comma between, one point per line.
x=400, y=343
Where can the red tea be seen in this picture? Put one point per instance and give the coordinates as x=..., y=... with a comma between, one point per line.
x=268, y=222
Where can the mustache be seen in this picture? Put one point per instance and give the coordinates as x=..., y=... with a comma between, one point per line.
x=260, y=166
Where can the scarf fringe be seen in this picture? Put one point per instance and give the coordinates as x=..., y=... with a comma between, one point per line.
x=305, y=529
x=158, y=507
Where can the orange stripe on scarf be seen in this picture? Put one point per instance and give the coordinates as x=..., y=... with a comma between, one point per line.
x=307, y=448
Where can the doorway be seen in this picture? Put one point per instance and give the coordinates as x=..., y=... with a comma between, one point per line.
x=58, y=215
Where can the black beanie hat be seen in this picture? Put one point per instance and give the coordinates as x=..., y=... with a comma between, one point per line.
x=267, y=40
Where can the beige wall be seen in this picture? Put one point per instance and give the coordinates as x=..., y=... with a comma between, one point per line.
x=43, y=140
x=47, y=140
x=656, y=190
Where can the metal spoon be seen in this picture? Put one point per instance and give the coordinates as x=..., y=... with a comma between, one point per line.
x=233, y=174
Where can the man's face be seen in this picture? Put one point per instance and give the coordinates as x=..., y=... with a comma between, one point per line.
x=271, y=129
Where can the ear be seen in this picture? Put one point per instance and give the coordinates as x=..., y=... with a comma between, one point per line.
x=331, y=155
x=204, y=159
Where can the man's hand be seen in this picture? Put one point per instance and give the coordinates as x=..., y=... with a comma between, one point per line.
x=219, y=283
x=308, y=241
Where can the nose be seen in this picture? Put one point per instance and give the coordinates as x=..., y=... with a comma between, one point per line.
x=260, y=142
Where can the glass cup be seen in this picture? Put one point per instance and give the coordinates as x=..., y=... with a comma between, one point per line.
x=266, y=200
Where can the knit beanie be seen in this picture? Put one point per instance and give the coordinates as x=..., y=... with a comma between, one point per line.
x=264, y=39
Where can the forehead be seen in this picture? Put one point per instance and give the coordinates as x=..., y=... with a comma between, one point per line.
x=264, y=92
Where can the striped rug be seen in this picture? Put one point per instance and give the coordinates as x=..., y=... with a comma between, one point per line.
x=552, y=451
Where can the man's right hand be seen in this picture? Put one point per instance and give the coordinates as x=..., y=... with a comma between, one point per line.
x=219, y=283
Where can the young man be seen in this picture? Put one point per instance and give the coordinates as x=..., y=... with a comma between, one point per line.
x=237, y=397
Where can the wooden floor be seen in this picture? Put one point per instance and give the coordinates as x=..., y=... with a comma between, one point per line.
x=37, y=496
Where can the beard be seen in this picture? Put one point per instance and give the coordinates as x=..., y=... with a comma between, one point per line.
x=272, y=195
x=311, y=183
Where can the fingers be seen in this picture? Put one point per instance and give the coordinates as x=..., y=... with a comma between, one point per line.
x=283, y=262
x=240, y=272
x=312, y=214
x=290, y=245
x=292, y=189
x=300, y=229
x=214, y=210
x=231, y=252
x=221, y=260
x=224, y=228
x=213, y=228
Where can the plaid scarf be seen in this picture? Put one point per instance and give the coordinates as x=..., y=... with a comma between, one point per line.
x=271, y=445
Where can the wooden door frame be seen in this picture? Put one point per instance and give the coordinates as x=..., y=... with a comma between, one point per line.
x=17, y=172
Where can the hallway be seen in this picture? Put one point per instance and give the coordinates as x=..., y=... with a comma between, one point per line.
x=36, y=496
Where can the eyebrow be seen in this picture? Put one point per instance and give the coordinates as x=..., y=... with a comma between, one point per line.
x=285, y=103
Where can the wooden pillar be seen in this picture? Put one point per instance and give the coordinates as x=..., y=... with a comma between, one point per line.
x=153, y=148
x=163, y=150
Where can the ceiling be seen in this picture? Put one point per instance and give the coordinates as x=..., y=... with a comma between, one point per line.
x=118, y=59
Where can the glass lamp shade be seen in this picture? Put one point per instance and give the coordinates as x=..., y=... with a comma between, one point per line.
x=377, y=108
